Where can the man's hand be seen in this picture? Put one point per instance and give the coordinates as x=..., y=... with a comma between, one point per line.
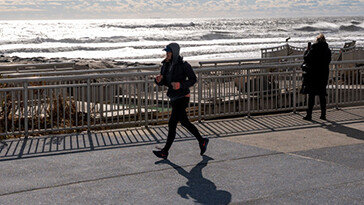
x=176, y=85
x=159, y=78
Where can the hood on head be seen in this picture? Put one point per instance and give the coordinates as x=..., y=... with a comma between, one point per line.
x=175, y=51
x=320, y=45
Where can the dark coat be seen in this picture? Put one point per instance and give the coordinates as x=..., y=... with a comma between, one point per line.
x=317, y=60
x=182, y=72
x=305, y=76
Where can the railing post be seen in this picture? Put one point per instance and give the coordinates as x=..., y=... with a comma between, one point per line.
x=261, y=97
x=102, y=90
x=294, y=90
x=199, y=96
x=146, y=100
x=89, y=113
x=26, y=128
x=88, y=106
x=248, y=87
x=139, y=100
x=337, y=86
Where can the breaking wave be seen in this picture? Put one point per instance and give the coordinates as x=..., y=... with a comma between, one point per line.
x=108, y=48
x=351, y=28
x=355, y=22
x=308, y=28
x=319, y=26
x=178, y=25
x=216, y=35
x=144, y=38
x=323, y=26
x=38, y=40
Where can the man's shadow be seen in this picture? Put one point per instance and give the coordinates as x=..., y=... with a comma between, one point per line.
x=348, y=131
x=199, y=188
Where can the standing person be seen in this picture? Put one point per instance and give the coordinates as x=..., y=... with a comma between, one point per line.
x=178, y=76
x=318, y=59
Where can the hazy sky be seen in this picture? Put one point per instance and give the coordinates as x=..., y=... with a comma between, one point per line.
x=95, y=9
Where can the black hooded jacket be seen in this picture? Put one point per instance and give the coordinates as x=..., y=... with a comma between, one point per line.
x=318, y=59
x=177, y=71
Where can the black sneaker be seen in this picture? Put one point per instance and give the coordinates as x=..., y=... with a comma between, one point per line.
x=160, y=154
x=323, y=117
x=308, y=118
x=203, y=146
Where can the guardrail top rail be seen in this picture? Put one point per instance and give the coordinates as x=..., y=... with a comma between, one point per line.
x=252, y=60
x=80, y=72
x=17, y=67
x=140, y=74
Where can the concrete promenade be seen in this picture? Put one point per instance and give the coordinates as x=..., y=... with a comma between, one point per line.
x=270, y=159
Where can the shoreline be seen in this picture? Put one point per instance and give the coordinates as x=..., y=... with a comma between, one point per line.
x=80, y=63
x=89, y=63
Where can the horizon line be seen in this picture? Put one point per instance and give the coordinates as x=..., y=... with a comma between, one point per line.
x=237, y=17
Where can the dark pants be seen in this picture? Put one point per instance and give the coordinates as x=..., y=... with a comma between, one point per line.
x=311, y=103
x=179, y=114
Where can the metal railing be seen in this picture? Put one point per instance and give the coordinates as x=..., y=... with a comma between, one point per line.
x=39, y=67
x=81, y=72
x=280, y=59
x=283, y=50
x=35, y=105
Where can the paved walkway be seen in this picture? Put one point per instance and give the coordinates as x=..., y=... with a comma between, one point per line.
x=264, y=159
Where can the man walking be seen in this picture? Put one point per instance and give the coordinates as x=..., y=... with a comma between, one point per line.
x=178, y=76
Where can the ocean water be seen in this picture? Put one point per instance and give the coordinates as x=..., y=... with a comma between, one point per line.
x=143, y=39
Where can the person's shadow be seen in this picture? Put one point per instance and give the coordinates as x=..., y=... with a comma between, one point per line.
x=348, y=131
x=202, y=190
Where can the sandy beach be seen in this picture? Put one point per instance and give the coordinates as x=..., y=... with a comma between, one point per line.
x=80, y=63
x=92, y=63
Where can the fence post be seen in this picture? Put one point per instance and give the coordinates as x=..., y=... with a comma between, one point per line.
x=101, y=94
x=337, y=87
x=294, y=90
x=199, y=96
x=26, y=128
x=261, y=97
x=139, y=101
x=146, y=100
x=248, y=87
x=89, y=113
x=88, y=106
